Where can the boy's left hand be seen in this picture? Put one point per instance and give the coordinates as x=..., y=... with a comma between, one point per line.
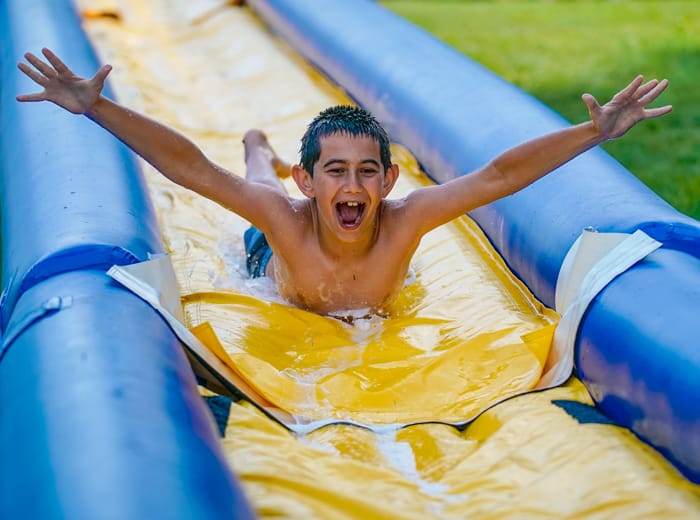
x=627, y=107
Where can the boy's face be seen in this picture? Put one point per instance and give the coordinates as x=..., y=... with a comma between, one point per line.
x=348, y=184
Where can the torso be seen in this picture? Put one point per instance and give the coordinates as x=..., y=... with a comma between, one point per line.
x=310, y=279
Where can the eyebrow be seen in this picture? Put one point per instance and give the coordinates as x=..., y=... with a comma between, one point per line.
x=342, y=161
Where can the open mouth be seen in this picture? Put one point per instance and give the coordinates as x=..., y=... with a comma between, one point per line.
x=350, y=213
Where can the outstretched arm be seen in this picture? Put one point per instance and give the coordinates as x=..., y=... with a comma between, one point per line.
x=522, y=165
x=168, y=151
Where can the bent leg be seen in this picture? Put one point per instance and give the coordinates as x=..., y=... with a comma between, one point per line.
x=262, y=163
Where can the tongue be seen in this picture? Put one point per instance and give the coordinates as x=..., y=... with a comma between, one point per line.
x=349, y=214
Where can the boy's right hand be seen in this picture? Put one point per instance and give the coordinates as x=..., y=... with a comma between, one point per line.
x=61, y=85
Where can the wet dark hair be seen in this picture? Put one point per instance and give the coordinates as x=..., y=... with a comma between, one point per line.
x=342, y=119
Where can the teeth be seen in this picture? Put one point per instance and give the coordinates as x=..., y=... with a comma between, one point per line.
x=352, y=203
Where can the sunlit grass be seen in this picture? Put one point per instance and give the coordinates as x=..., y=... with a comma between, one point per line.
x=558, y=50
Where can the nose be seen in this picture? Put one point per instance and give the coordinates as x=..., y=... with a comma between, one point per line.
x=352, y=182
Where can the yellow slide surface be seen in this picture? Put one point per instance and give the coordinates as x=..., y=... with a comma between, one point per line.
x=464, y=335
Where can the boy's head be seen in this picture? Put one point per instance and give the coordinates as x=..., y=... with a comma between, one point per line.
x=342, y=119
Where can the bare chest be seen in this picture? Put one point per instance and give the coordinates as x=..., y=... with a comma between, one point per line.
x=325, y=286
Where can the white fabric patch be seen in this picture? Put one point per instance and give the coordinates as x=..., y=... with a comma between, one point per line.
x=594, y=260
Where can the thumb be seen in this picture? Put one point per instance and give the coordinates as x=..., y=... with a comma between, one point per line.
x=39, y=96
x=591, y=103
x=102, y=74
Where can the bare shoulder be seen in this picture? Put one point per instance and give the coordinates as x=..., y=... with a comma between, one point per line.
x=431, y=206
x=400, y=219
x=416, y=211
x=263, y=206
x=288, y=221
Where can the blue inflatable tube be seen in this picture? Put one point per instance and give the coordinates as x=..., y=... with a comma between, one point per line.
x=57, y=180
x=100, y=416
x=637, y=348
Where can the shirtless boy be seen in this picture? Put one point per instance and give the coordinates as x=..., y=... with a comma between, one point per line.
x=344, y=247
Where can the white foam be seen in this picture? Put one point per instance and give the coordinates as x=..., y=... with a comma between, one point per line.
x=235, y=276
x=400, y=456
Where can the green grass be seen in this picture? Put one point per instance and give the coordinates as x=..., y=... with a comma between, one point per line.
x=558, y=50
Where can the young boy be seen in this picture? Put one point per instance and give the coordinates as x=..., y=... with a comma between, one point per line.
x=344, y=247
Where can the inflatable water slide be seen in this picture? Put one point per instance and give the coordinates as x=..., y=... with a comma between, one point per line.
x=541, y=360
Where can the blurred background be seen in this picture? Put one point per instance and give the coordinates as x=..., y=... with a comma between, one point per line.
x=557, y=50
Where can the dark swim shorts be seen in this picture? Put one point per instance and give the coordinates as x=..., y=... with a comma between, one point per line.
x=258, y=252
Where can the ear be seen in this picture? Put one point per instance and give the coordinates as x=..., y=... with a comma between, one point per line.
x=304, y=180
x=390, y=177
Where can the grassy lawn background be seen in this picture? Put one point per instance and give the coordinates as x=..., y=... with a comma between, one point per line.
x=559, y=50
